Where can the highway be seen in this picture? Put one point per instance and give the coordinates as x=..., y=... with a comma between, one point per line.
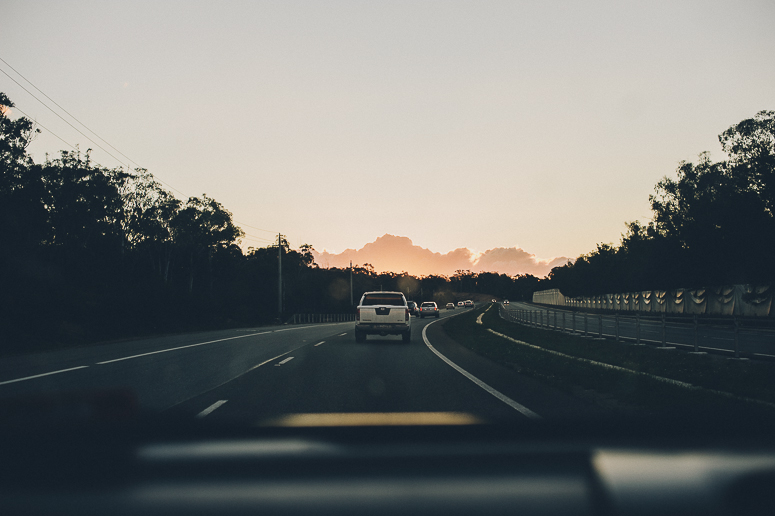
x=255, y=375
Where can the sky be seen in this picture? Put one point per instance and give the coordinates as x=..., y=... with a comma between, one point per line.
x=534, y=126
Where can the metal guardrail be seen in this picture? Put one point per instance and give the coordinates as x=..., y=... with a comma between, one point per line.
x=700, y=335
x=320, y=318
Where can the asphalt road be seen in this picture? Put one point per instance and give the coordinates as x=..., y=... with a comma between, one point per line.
x=254, y=375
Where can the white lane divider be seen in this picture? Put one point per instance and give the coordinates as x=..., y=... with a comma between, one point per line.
x=211, y=408
x=319, y=343
x=278, y=364
x=505, y=399
x=181, y=347
x=342, y=334
x=42, y=374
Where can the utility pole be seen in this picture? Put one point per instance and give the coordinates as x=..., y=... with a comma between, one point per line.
x=351, y=282
x=279, y=277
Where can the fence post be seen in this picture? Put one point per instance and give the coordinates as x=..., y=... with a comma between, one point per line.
x=600, y=326
x=637, y=328
x=616, y=326
x=585, y=325
x=555, y=320
x=737, y=337
x=664, y=330
x=573, y=323
x=664, y=333
x=564, y=326
x=696, y=338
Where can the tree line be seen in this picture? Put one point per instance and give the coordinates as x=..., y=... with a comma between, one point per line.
x=713, y=224
x=91, y=253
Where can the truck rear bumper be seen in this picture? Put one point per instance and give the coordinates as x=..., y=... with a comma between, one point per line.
x=382, y=328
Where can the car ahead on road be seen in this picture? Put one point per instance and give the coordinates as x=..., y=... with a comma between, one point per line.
x=412, y=308
x=450, y=306
x=382, y=313
x=461, y=304
x=430, y=309
x=468, y=303
x=505, y=301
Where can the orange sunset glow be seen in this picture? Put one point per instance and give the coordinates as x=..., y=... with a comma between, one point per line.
x=399, y=254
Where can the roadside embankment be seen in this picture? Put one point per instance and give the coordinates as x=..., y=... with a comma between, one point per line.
x=627, y=378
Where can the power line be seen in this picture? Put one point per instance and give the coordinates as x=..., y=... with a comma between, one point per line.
x=49, y=130
x=247, y=236
x=60, y=116
x=71, y=125
x=253, y=227
x=94, y=133
x=68, y=113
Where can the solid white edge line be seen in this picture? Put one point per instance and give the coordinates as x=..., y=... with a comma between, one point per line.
x=42, y=374
x=181, y=347
x=319, y=343
x=211, y=408
x=342, y=334
x=505, y=399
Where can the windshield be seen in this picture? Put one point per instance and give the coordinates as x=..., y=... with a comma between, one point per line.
x=383, y=299
x=189, y=223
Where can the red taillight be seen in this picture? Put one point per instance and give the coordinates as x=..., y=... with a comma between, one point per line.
x=357, y=314
x=406, y=315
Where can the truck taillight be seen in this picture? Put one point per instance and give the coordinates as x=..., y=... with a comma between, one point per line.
x=406, y=314
x=357, y=314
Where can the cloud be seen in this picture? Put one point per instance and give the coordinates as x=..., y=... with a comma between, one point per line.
x=513, y=261
x=399, y=254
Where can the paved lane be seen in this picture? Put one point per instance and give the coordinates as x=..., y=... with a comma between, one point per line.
x=381, y=375
x=159, y=372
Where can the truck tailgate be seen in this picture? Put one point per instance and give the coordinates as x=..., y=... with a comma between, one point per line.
x=383, y=314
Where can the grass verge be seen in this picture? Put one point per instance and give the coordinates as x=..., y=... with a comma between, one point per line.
x=642, y=380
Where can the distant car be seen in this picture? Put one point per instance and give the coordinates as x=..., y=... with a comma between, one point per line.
x=494, y=301
x=450, y=306
x=430, y=309
x=468, y=303
x=460, y=303
x=505, y=301
x=412, y=308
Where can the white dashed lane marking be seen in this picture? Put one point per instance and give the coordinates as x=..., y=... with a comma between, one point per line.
x=211, y=408
x=43, y=374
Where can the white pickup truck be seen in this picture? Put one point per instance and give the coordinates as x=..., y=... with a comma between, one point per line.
x=383, y=313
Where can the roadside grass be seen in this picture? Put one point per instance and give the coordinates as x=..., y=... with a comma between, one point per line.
x=717, y=384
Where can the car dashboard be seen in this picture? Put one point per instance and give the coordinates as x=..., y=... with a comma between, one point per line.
x=479, y=469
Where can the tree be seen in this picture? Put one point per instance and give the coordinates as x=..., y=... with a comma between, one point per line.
x=22, y=193
x=199, y=227
x=750, y=145
x=307, y=256
x=150, y=211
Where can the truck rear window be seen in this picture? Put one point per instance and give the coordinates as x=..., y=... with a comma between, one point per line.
x=384, y=299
